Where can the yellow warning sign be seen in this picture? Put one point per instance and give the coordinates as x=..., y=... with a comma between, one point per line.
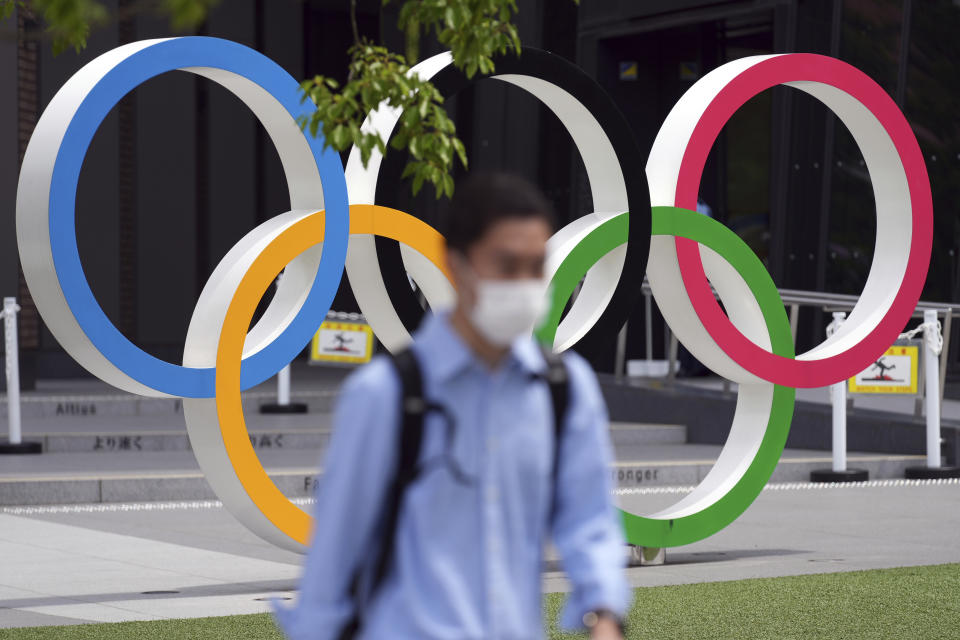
x=343, y=342
x=894, y=372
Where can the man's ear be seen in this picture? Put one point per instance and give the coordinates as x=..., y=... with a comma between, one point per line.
x=453, y=260
x=458, y=268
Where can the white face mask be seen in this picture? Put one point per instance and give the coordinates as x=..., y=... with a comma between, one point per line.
x=507, y=309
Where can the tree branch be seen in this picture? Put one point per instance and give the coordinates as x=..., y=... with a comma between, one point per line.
x=353, y=21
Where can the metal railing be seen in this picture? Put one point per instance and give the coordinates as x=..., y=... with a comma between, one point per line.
x=793, y=299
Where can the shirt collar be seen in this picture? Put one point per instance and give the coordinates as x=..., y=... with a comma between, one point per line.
x=437, y=340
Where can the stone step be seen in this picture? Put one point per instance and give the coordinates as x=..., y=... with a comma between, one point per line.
x=635, y=433
x=66, y=478
x=67, y=407
x=115, y=434
x=172, y=440
x=794, y=466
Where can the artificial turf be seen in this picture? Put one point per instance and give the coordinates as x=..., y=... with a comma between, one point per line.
x=913, y=602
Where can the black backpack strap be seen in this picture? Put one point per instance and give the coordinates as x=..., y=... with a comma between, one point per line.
x=413, y=407
x=558, y=381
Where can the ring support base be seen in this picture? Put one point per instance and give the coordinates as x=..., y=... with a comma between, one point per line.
x=931, y=473
x=646, y=556
x=9, y=448
x=293, y=407
x=849, y=475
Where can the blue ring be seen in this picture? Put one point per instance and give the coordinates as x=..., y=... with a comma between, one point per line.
x=169, y=55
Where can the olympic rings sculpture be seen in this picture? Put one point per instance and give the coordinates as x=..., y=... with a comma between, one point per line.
x=335, y=224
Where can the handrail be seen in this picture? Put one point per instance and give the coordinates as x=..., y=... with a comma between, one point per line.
x=833, y=301
x=794, y=299
x=843, y=301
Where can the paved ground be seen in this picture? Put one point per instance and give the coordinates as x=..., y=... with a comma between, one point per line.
x=95, y=563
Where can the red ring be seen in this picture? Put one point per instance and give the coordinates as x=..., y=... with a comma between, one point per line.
x=804, y=67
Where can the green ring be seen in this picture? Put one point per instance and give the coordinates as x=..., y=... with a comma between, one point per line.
x=673, y=221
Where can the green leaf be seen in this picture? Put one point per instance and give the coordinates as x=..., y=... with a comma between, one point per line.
x=339, y=137
x=187, y=14
x=474, y=30
x=448, y=185
x=461, y=151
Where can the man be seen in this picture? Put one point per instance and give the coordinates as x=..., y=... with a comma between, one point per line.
x=467, y=550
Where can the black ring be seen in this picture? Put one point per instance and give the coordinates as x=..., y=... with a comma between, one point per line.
x=546, y=66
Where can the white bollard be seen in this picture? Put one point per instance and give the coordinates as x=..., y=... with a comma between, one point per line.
x=838, y=395
x=10, y=309
x=16, y=444
x=840, y=426
x=283, y=386
x=932, y=347
x=283, y=403
x=931, y=387
x=838, y=398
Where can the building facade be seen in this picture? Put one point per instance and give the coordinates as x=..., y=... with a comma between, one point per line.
x=180, y=170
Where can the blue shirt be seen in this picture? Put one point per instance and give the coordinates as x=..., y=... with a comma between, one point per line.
x=469, y=551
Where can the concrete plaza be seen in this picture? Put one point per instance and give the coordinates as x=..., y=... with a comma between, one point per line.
x=146, y=561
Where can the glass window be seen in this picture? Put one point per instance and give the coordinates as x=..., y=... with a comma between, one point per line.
x=870, y=40
x=932, y=105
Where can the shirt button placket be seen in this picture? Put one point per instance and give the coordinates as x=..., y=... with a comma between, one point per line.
x=494, y=544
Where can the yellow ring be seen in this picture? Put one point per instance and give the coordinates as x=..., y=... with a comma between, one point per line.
x=364, y=219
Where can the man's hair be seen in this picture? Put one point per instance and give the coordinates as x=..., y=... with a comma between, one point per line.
x=484, y=199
